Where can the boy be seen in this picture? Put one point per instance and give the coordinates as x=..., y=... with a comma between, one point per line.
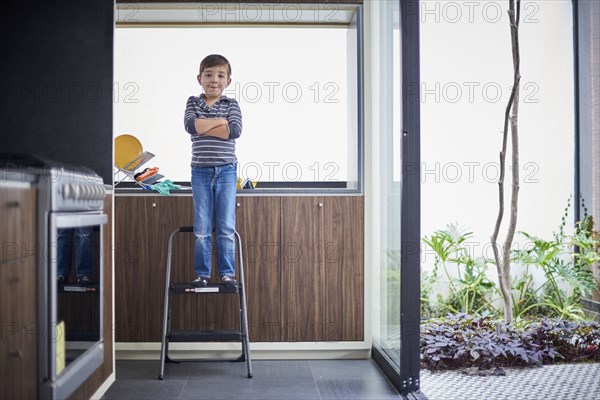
x=214, y=122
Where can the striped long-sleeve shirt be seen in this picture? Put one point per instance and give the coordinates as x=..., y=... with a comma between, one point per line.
x=209, y=150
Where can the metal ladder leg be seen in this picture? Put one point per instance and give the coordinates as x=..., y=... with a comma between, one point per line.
x=167, y=304
x=244, y=315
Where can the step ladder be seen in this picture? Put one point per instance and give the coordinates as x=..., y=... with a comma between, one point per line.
x=188, y=336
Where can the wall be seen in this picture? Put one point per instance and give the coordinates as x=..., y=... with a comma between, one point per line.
x=466, y=77
x=56, y=82
x=56, y=79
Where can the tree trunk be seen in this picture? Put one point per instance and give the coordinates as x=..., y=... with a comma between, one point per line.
x=511, y=116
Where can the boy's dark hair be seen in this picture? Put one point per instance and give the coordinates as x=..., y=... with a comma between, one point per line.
x=215, y=60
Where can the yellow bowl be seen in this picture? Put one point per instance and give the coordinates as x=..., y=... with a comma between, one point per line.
x=127, y=148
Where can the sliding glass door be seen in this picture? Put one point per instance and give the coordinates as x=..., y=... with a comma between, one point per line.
x=395, y=313
x=386, y=315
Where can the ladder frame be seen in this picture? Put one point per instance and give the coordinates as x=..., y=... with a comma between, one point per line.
x=244, y=338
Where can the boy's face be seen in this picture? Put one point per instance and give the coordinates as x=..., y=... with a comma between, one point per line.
x=214, y=81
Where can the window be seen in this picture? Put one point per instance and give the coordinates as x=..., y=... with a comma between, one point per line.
x=296, y=82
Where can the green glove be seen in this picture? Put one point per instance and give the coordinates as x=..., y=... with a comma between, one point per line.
x=164, y=187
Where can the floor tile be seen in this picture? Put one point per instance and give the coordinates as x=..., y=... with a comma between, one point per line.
x=137, y=369
x=121, y=389
x=566, y=381
x=175, y=370
x=273, y=379
x=344, y=369
x=346, y=389
x=216, y=370
x=251, y=389
x=282, y=369
x=156, y=389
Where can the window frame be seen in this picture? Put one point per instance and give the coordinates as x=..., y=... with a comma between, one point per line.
x=148, y=14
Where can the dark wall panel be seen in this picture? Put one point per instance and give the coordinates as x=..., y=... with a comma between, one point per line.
x=56, y=79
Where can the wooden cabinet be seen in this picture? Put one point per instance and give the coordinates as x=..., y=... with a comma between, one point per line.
x=303, y=258
x=302, y=283
x=259, y=224
x=143, y=225
x=18, y=351
x=322, y=287
x=343, y=255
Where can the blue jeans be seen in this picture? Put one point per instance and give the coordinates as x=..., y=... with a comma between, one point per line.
x=82, y=239
x=214, y=190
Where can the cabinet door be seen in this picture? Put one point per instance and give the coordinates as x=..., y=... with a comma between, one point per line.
x=18, y=345
x=142, y=228
x=302, y=277
x=259, y=226
x=17, y=228
x=343, y=260
x=133, y=232
x=18, y=353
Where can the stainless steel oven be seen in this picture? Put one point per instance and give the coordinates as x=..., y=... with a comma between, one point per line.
x=71, y=224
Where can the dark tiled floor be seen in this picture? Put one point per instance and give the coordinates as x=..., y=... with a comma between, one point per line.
x=277, y=379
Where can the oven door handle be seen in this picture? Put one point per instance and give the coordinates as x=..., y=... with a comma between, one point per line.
x=74, y=220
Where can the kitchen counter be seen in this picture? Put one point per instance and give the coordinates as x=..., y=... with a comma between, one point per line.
x=263, y=189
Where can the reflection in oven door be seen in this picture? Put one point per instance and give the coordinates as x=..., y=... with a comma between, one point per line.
x=78, y=277
x=75, y=310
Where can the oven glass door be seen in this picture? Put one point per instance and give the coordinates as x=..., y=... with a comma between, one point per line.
x=75, y=290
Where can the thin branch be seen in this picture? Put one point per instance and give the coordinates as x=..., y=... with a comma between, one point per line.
x=514, y=143
x=510, y=115
x=494, y=238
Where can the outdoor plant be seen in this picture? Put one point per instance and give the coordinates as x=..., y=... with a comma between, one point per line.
x=566, y=262
x=462, y=340
x=470, y=288
x=586, y=242
x=547, y=255
x=428, y=282
x=524, y=296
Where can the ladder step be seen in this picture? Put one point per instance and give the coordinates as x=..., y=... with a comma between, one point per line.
x=205, y=336
x=186, y=288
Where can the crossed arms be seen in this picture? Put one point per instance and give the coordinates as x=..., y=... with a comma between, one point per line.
x=222, y=128
x=217, y=127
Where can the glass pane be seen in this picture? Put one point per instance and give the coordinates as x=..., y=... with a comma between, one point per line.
x=291, y=84
x=78, y=272
x=386, y=332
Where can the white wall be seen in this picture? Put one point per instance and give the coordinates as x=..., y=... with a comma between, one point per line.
x=466, y=72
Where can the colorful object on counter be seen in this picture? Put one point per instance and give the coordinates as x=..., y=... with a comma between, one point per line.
x=145, y=174
x=164, y=187
x=127, y=149
x=245, y=183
